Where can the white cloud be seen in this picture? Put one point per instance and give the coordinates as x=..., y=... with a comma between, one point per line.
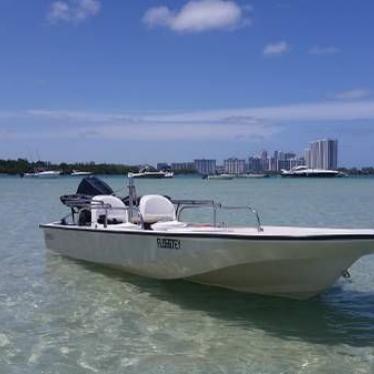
x=74, y=11
x=306, y=112
x=158, y=16
x=323, y=51
x=225, y=124
x=276, y=49
x=59, y=11
x=199, y=15
x=354, y=94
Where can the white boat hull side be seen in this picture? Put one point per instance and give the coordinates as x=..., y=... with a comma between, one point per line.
x=294, y=268
x=297, y=279
x=43, y=174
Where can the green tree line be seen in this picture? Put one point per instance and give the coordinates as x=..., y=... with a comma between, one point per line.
x=20, y=166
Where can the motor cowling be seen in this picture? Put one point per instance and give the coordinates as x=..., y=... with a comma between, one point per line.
x=88, y=188
x=93, y=186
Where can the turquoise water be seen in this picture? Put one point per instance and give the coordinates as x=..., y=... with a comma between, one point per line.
x=62, y=316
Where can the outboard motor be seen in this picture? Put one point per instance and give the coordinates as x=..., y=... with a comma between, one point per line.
x=88, y=188
x=93, y=186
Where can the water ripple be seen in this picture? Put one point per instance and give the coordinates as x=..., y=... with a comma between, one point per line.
x=64, y=316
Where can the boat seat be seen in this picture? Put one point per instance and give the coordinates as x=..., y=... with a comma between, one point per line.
x=168, y=225
x=126, y=226
x=155, y=208
x=116, y=215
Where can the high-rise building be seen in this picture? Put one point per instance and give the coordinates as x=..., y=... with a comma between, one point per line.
x=234, y=166
x=282, y=162
x=323, y=154
x=274, y=162
x=182, y=166
x=307, y=157
x=205, y=167
x=316, y=154
x=264, y=160
x=330, y=154
x=254, y=164
x=286, y=160
x=163, y=166
x=289, y=155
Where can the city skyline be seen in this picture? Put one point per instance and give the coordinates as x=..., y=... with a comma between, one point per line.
x=321, y=154
x=138, y=82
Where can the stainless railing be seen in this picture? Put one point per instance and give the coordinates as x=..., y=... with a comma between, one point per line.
x=252, y=210
x=182, y=205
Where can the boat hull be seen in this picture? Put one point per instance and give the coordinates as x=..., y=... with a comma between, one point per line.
x=293, y=267
x=151, y=175
x=43, y=175
x=309, y=175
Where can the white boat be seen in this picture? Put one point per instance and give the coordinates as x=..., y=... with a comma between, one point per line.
x=220, y=177
x=252, y=175
x=152, y=174
x=303, y=171
x=78, y=173
x=150, y=239
x=43, y=174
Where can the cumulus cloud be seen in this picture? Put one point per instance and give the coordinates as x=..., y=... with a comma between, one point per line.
x=323, y=51
x=354, y=94
x=198, y=16
x=74, y=11
x=276, y=49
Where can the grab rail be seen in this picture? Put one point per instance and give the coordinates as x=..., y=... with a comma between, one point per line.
x=252, y=210
x=189, y=204
x=181, y=205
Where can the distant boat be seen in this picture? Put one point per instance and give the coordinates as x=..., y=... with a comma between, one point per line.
x=252, y=175
x=77, y=173
x=303, y=171
x=48, y=174
x=151, y=174
x=220, y=177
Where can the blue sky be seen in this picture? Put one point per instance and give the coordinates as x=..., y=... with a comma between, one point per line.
x=146, y=81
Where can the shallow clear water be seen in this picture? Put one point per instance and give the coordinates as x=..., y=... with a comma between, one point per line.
x=62, y=316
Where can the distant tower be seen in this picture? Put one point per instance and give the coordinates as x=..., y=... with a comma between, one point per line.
x=330, y=154
x=204, y=166
x=234, y=166
x=307, y=158
x=323, y=154
x=264, y=160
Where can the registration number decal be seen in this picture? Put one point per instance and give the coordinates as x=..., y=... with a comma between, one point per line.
x=168, y=243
